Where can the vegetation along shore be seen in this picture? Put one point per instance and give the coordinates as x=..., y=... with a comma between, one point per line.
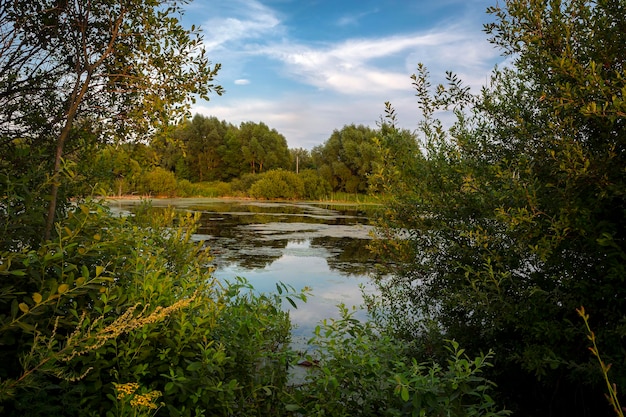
x=502, y=229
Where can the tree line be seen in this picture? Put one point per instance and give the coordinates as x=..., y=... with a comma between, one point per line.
x=204, y=156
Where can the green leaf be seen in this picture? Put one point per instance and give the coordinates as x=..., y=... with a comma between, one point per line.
x=293, y=304
x=404, y=393
x=194, y=366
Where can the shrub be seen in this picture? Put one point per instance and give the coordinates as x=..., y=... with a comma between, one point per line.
x=315, y=187
x=159, y=182
x=361, y=371
x=114, y=312
x=278, y=184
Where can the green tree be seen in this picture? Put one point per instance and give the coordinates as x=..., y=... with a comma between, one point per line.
x=315, y=187
x=126, y=65
x=346, y=159
x=301, y=159
x=514, y=216
x=199, y=143
x=263, y=149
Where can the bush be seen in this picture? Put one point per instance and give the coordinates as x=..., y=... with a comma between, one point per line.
x=242, y=184
x=315, y=187
x=278, y=184
x=159, y=182
x=115, y=313
x=361, y=371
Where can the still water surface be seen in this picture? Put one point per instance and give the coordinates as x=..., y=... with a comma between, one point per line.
x=320, y=246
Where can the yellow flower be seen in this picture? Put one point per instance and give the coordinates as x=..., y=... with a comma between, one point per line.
x=145, y=400
x=124, y=390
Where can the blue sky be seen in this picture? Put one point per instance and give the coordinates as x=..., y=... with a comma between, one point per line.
x=308, y=67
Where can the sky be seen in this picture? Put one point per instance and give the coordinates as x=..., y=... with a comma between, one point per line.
x=309, y=67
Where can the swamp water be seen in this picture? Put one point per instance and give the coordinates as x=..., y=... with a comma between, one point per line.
x=320, y=246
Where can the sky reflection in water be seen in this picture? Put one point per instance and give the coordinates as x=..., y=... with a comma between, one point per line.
x=300, y=244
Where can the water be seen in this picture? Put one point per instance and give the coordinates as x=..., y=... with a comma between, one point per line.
x=323, y=247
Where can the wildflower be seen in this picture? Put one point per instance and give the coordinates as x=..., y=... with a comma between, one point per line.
x=145, y=400
x=124, y=390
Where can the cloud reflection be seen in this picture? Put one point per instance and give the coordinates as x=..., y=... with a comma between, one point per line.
x=298, y=269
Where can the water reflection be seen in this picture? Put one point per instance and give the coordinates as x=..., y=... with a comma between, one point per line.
x=301, y=244
x=301, y=265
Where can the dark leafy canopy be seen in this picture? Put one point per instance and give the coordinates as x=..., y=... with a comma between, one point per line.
x=347, y=157
x=517, y=215
x=126, y=65
x=207, y=149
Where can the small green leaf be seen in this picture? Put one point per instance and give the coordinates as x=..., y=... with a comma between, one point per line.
x=404, y=393
x=293, y=304
x=194, y=366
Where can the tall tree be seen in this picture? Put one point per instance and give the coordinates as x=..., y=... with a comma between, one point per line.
x=127, y=64
x=515, y=216
x=346, y=159
x=263, y=148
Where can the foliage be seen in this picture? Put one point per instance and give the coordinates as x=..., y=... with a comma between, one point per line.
x=346, y=159
x=112, y=302
x=158, y=182
x=315, y=187
x=277, y=184
x=262, y=149
x=363, y=372
x=512, y=217
x=194, y=148
x=301, y=160
x=124, y=66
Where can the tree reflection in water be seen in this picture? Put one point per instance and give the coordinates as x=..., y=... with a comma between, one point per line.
x=301, y=244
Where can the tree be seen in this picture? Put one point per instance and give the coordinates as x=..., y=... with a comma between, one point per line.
x=262, y=148
x=513, y=217
x=301, y=159
x=198, y=142
x=346, y=159
x=277, y=184
x=127, y=65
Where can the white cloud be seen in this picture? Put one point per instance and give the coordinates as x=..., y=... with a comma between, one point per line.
x=344, y=82
x=365, y=66
x=353, y=19
x=250, y=19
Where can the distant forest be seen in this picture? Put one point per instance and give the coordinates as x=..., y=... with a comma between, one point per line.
x=205, y=156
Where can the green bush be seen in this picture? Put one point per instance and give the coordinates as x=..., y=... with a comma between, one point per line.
x=278, y=184
x=315, y=187
x=362, y=371
x=116, y=313
x=159, y=182
x=241, y=185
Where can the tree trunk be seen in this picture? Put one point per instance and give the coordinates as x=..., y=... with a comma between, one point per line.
x=80, y=88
